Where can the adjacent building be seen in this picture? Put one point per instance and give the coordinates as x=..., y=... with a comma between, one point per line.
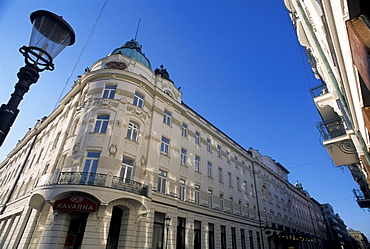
x=336, y=38
x=122, y=162
x=359, y=240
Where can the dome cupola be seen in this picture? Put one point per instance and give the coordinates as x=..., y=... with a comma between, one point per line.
x=132, y=49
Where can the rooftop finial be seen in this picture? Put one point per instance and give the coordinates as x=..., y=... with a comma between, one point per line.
x=137, y=29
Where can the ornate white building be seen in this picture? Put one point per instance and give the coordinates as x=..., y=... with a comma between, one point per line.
x=336, y=37
x=124, y=163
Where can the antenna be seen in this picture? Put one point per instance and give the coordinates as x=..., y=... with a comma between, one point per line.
x=137, y=30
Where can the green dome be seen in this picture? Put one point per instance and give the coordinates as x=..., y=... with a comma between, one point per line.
x=132, y=49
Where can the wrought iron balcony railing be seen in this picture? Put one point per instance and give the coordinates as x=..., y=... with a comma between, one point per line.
x=94, y=179
x=332, y=128
x=318, y=90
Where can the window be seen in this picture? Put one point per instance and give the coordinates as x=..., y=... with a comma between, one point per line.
x=138, y=100
x=210, y=198
x=183, y=156
x=158, y=230
x=209, y=169
x=242, y=237
x=197, y=163
x=228, y=156
x=56, y=141
x=237, y=183
x=220, y=175
x=180, y=239
x=101, y=123
x=258, y=240
x=167, y=117
x=240, y=208
x=233, y=237
x=251, y=240
x=184, y=130
x=229, y=179
x=165, y=145
x=90, y=167
x=236, y=162
x=219, y=151
x=221, y=202
x=243, y=166
x=197, y=234
x=245, y=187
x=109, y=92
x=231, y=200
x=162, y=181
x=223, y=237
x=126, y=169
x=197, y=194
x=133, y=131
x=197, y=138
x=209, y=145
x=182, y=189
x=211, y=236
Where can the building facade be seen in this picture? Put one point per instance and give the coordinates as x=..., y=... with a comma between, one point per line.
x=359, y=240
x=336, y=229
x=336, y=38
x=124, y=163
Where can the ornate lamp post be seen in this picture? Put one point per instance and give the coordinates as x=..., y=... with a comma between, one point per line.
x=167, y=222
x=50, y=35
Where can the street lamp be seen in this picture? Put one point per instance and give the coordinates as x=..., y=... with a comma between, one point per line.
x=50, y=35
x=167, y=222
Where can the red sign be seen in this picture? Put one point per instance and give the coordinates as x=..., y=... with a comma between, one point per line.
x=115, y=65
x=76, y=203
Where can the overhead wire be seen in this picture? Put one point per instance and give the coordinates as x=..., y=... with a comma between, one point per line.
x=82, y=50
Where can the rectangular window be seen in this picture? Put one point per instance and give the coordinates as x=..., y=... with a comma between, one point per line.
x=132, y=131
x=56, y=140
x=197, y=138
x=210, y=198
x=231, y=200
x=236, y=162
x=240, y=208
x=138, y=100
x=197, y=163
x=162, y=181
x=197, y=234
x=243, y=165
x=227, y=156
x=237, y=183
x=109, y=92
x=101, y=123
x=167, y=117
x=180, y=239
x=220, y=175
x=165, y=146
x=233, y=237
x=211, y=236
x=223, y=237
x=258, y=240
x=209, y=145
x=251, y=240
x=242, y=237
x=90, y=167
x=182, y=189
x=229, y=180
x=197, y=194
x=183, y=156
x=221, y=202
x=184, y=130
x=158, y=231
x=126, y=169
x=209, y=169
x=219, y=151
x=245, y=187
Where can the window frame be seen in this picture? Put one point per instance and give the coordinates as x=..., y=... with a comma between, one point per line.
x=109, y=91
x=138, y=100
x=183, y=156
x=209, y=169
x=101, y=123
x=197, y=163
x=133, y=130
x=162, y=181
x=167, y=117
x=165, y=146
x=197, y=138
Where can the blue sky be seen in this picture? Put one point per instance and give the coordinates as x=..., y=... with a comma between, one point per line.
x=238, y=63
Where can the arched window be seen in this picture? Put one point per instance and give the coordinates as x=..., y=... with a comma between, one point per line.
x=132, y=131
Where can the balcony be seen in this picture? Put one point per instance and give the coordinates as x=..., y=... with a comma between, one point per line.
x=337, y=142
x=362, y=201
x=318, y=90
x=332, y=128
x=94, y=179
